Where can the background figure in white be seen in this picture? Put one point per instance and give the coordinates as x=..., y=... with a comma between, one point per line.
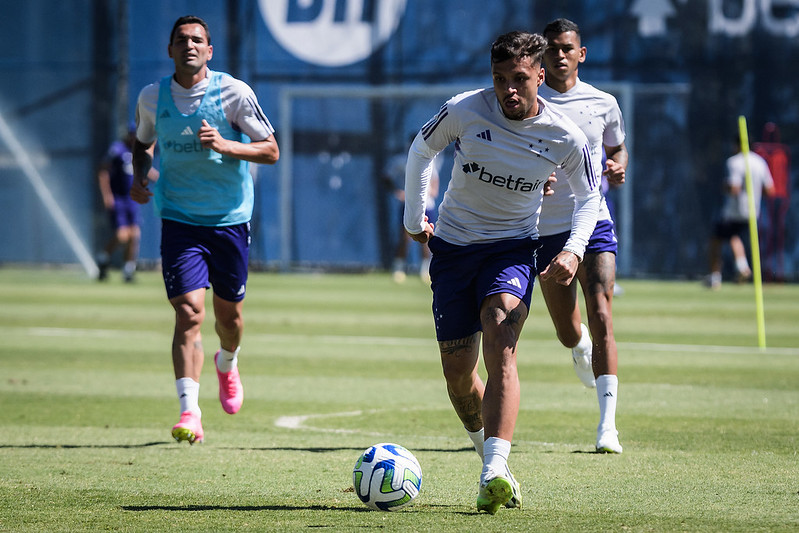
x=734, y=222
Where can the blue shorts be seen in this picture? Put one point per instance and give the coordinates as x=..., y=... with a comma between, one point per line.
x=602, y=240
x=125, y=212
x=198, y=257
x=463, y=276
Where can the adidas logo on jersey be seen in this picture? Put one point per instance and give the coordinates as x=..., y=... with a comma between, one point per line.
x=485, y=135
x=165, y=114
x=515, y=282
x=187, y=131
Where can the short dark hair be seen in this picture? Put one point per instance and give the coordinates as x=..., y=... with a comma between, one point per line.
x=561, y=25
x=190, y=19
x=518, y=44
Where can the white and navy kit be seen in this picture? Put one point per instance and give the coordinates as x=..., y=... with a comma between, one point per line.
x=598, y=115
x=487, y=229
x=499, y=171
x=204, y=198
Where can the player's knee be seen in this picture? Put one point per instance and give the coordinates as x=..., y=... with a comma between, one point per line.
x=188, y=316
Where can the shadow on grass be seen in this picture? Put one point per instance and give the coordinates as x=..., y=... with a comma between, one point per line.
x=340, y=449
x=169, y=443
x=144, y=508
x=81, y=446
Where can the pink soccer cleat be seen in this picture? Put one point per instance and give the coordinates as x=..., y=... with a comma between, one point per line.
x=190, y=428
x=231, y=392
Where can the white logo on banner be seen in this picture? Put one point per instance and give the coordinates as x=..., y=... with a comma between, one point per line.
x=332, y=33
x=779, y=18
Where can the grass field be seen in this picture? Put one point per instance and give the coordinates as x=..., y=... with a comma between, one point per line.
x=334, y=363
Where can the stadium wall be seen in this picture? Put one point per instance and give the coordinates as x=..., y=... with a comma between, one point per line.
x=71, y=70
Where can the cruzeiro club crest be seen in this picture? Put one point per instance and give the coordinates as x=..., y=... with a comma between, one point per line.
x=332, y=33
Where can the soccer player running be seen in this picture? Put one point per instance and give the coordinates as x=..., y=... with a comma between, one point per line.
x=507, y=143
x=208, y=126
x=598, y=115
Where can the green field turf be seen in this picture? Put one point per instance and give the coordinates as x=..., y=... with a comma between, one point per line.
x=334, y=363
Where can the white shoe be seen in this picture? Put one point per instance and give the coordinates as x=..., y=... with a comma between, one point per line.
x=607, y=441
x=581, y=357
x=617, y=290
x=515, y=501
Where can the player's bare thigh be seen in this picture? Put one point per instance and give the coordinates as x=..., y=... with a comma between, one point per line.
x=597, y=273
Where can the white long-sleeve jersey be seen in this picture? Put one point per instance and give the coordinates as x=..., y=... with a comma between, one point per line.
x=499, y=172
x=598, y=115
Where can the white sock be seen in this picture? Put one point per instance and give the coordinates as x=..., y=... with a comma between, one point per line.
x=585, y=345
x=227, y=361
x=103, y=257
x=742, y=265
x=188, y=395
x=477, y=439
x=496, y=452
x=129, y=268
x=607, y=390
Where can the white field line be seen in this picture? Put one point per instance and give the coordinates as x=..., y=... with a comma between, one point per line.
x=300, y=422
x=382, y=341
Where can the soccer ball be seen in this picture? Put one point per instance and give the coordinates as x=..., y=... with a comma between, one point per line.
x=387, y=477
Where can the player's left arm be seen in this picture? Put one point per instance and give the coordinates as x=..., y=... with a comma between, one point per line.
x=616, y=164
x=243, y=111
x=264, y=152
x=585, y=186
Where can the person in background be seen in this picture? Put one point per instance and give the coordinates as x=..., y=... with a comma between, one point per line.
x=734, y=223
x=508, y=141
x=209, y=126
x=598, y=115
x=394, y=173
x=114, y=178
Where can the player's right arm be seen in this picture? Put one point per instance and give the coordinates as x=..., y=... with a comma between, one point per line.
x=418, y=173
x=143, y=152
x=434, y=137
x=142, y=164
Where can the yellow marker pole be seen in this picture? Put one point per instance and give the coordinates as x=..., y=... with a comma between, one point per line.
x=753, y=238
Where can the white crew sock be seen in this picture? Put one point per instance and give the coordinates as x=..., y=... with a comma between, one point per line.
x=607, y=390
x=478, y=438
x=496, y=452
x=227, y=361
x=188, y=395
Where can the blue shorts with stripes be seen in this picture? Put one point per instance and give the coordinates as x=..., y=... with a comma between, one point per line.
x=602, y=240
x=463, y=276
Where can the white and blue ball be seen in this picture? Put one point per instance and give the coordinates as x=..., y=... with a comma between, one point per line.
x=387, y=477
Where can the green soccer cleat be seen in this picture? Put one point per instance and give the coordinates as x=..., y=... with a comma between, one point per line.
x=494, y=494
